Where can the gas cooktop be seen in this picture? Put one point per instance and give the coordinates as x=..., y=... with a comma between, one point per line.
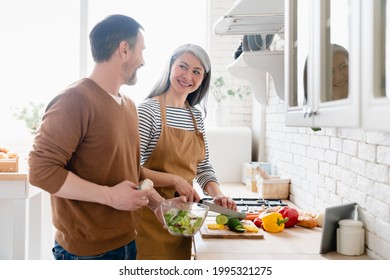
x=252, y=204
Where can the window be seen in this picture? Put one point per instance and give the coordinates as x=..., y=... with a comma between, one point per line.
x=40, y=56
x=43, y=50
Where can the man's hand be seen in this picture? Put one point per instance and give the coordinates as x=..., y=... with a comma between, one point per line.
x=126, y=196
x=155, y=198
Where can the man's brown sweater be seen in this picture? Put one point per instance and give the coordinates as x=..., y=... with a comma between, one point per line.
x=85, y=131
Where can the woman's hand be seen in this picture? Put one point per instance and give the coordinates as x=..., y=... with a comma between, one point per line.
x=213, y=189
x=183, y=188
x=225, y=201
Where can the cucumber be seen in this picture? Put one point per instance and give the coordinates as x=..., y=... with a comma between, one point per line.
x=222, y=219
x=240, y=229
x=234, y=223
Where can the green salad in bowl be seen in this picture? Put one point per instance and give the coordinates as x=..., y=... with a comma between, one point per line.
x=183, y=218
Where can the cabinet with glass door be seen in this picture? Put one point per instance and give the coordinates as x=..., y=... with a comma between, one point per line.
x=322, y=63
x=375, y=65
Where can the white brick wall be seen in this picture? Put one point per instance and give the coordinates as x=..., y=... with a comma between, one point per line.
x=335, y=166
x=221, y=48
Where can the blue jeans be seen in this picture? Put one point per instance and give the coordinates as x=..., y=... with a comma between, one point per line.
x=127, y=252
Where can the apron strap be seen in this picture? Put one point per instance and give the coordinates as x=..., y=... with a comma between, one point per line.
x=193, y=117
x=164, y=113
x=163, y=110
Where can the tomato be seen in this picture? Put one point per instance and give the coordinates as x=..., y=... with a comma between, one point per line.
x=258, y=222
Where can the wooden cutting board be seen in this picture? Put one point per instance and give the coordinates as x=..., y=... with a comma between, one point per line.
x=228, y=234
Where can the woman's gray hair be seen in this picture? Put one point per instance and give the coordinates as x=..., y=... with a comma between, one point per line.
x=339, y=49
x=197, y=97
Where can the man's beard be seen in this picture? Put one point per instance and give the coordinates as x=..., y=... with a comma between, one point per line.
x=132, y=80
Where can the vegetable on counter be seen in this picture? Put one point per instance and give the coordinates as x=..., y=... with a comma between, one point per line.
x=258, y=222
x=291, y=213
x=215, y=226
x=273, y=222
x=222, y=219
x=250, y=227
x=251, y=216
x=235, y=224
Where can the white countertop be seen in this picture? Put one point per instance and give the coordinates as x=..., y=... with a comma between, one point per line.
x=296, y=243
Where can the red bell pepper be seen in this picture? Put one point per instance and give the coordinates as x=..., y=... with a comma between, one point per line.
x=290, y=213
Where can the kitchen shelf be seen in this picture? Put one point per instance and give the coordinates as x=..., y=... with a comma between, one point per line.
x=253, y=66
x=252, y=17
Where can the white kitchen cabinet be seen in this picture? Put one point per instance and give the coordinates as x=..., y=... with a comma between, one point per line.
x=252, y=17
x=375, y=61
x=311, y=29
x=256, y=17
x=21, y=218
x=298, y=41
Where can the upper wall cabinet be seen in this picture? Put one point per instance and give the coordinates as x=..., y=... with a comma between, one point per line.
x=298, y=41
x=252, y=17
x=322, y=63
x=375, y=62
x=260, y=18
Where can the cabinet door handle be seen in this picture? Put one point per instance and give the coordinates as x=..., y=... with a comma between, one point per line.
x=308, y=112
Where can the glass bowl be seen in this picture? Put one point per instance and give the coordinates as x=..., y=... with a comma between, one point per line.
x=183, y=218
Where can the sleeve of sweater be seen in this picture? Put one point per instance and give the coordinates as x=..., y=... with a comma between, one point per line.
x=58, y=136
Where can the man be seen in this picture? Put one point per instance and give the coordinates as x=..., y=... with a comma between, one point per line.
x=86, y=153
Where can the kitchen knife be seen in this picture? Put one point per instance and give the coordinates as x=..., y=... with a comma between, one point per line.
x=223, y=210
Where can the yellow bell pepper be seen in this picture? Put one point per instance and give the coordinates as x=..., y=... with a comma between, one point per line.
x=273, y=222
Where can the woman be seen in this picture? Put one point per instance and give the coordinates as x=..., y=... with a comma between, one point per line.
x=173, y=147
x=340, y=75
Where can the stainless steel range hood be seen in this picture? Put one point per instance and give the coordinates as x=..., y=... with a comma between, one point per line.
x=252, y=17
